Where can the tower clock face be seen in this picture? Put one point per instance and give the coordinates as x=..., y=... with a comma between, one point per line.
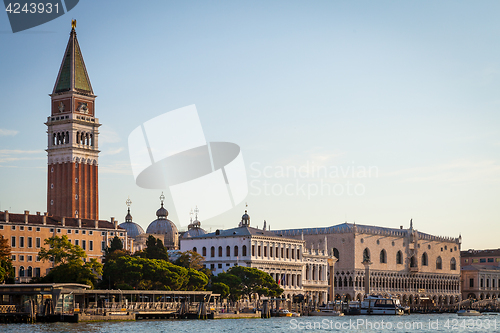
x=82, y=107
x=61, y=107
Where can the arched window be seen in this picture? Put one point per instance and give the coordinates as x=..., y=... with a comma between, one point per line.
x=212, y=251
x=413, y=262
x=228, y=251
x=425, y=260
x=383, y=257
x=439, y=263
x=21, y=271
x=67, y=137
x=336, y=253
x=220, y=251
x=235, y=250
x=244, y=251
x=366, y=254
x=195, y=249
x=30, y=271
x=399, y=258
x=204, y=251
x=453, y=264
x=91, y=140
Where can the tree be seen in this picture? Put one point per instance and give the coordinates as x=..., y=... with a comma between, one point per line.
x=69, y=263
x=220, y=288
x=155, y=249
x=143, y=273
x=248, y=281
x=190, y=259
x=7, y=272
x=61, y=251
x=116, y=244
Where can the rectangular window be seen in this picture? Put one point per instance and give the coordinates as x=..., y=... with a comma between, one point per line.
x=487, y=283
x=482, y=283
x=482, y=260
x=30, y=228
x=91, y=245
x=271, y=251
x=21, y=258
x=253, y=250
x=258, y=250
x=37, y=272
x=103, y=233
x=282, y=253
x=491, y=260
x=220, y=265
x=84, y=244
x=90, y=232
x=83, y=232
x=1, y=227
x=21, y=228
x=298, y=254
x=37, y=258
x=69, y=231
x=13, y=227
x=265, y=251
x=277, y=252
x=30, y=241
x=228, y=264
x=287, y=253
x=212, y=267
x=38, y=242
x=51, y=229
x=293, y=254
x=474, y=261
x=13, y=257
x=30, y=258
x=121, y=234
x=13, y=241
x=466, y=260
x=103, y=246
x=21, y=241
x=38, y=229
x=76, y=241
x=59, y=231
x=77, y=231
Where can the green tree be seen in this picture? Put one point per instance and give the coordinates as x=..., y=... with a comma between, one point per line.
x=220, y=288
x=69, y=263
x=116, y=244
x=248, y=281
x=7, y=272
x=155, y=249
x=190, y=259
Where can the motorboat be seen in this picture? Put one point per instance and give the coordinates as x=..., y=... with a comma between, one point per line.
x=284, y=313
x=469, y=313
x=326, y=312
x=381, y=305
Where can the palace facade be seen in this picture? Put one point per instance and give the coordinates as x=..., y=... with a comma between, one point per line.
x=403, y=262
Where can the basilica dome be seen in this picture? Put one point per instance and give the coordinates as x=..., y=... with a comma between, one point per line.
x=133, y=229
x=163, y=226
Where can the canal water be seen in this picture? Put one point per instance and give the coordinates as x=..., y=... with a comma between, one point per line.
x=407, y=323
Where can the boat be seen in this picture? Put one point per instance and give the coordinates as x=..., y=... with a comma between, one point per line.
x=381, y=305
x=326, y=312
x=469, y=313
x=295, y=314
x=284, y=313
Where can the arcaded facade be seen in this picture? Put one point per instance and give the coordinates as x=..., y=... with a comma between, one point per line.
x=402, y=262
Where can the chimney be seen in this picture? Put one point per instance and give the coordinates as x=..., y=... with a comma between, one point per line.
x=96, y=223
x=79, y=223
x=26, y=214
x=45, y=218
x=38, y=213
x=63, y=221
x=115, y=223
x=400, y=227
x=7, y=216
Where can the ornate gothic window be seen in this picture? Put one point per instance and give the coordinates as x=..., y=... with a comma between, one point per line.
x=453, y=264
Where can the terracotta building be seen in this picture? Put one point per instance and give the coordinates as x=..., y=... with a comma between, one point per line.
x=480, y=274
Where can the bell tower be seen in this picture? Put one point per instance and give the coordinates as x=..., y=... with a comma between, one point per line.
x=72, y=139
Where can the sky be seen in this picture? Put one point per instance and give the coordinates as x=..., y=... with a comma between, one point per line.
x=374, y=112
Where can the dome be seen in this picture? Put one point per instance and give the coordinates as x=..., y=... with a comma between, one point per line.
x=162, y=226
x=245, y=219
x=195, y=232
x=162, y=213
x=133, y=229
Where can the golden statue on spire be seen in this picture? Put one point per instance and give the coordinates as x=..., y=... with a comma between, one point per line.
x=73, y=24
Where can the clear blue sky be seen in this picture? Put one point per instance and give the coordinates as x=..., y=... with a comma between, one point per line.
x=408, y=88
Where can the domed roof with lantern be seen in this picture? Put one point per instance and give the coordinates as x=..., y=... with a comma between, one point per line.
x=133, y=229
x=164, y=226
x=194, y=228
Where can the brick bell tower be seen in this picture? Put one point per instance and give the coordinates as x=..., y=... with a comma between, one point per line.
x=72, y=140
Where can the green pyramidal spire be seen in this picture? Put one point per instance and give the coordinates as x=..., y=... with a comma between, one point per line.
x=73, y=74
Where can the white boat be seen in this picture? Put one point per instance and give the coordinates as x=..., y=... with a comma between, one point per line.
x=381, y=305
x=469, y=313
x=326, y=312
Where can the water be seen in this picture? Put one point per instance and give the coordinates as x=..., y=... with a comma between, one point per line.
x=408, y=323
